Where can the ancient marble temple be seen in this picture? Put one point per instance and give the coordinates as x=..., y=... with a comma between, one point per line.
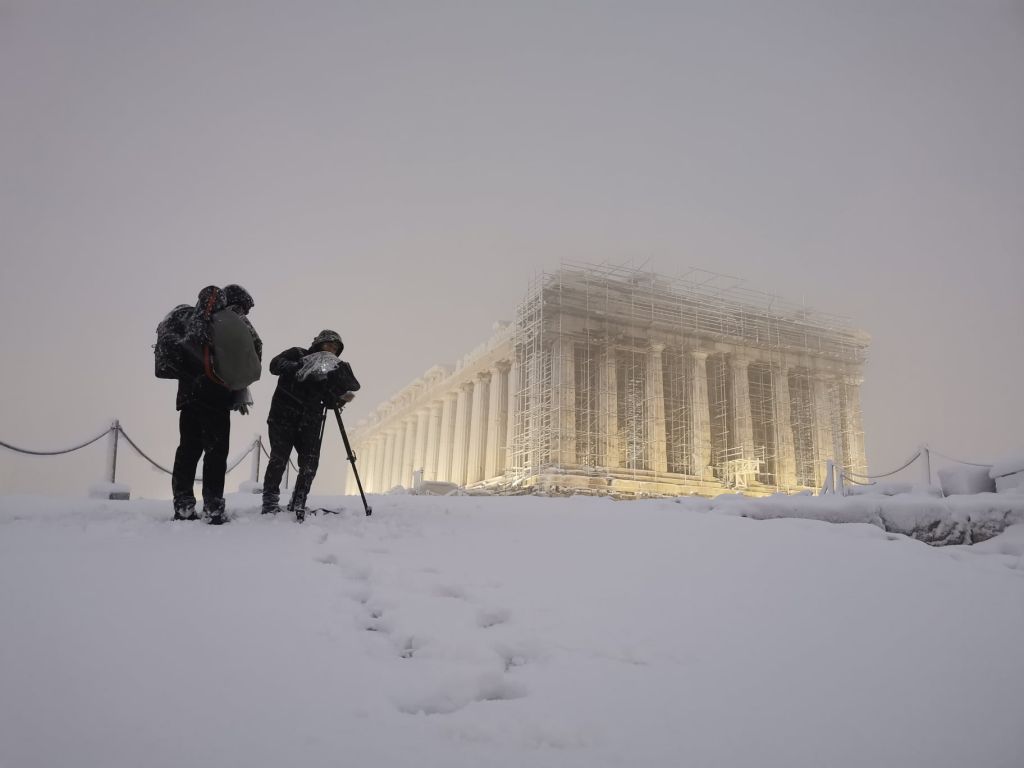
x=623, y=382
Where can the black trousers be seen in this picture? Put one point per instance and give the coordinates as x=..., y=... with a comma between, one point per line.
x=304, y=437
x=203, y=431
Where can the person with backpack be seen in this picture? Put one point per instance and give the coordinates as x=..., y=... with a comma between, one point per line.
x=214, y=353
x=309, y=380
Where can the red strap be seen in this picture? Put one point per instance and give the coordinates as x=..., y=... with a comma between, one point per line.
x=208, y=367
x=207, y=355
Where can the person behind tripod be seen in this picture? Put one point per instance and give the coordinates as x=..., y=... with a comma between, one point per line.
x=308, y=380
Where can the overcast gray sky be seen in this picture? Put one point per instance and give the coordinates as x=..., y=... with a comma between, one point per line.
x=399, y=171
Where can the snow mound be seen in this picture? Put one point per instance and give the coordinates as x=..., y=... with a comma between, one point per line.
x=962, y=480
x=931, y=519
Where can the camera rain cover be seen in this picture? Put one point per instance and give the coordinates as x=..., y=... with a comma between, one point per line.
x=317, y=366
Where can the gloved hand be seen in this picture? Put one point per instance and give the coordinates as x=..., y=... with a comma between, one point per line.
x=242, y=401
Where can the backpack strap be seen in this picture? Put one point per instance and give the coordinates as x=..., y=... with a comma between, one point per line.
x=208, y=367
x=207, y=353
x=210, y=304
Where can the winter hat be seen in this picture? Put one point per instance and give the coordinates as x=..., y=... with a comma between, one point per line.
x=239, y=297
x=326, y=336
x=211, y=300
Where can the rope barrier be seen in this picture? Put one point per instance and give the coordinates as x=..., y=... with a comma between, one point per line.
x=290, y=462
x=231, y=465
x=236, y=462
x=143, y=453
x=847, y=472
x=116, y=428
x=958, y=461
x=848, y=479
x=16, y=449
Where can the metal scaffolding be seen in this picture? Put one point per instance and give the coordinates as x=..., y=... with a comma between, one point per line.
x=605, y=385
x=801, y=408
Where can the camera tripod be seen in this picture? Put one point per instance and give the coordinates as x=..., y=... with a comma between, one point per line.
x=348, y=450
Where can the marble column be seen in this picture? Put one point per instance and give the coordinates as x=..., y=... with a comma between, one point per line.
x=419, y=459
x=478, y=428
x=433, y=441
x=655, y=385
x=378, y=459
x=378, y=462
x=365, y=460
x=700, y=414
x=396, y=462
x=785, y=459
x=608, y=405
x=743, y=422
x=446, y=442
x=373, y=466
x=497, y=421
x=460, y=452
x=563, y=369
x=389, y=462
x=511, y=458
x=408, y=452
x=824, y=446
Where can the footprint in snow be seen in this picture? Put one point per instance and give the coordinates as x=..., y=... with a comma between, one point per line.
x=453, y=697
x=450, y=590
x=488, y=618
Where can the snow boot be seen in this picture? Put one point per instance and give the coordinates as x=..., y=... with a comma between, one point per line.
x=270, y=505
x=186, y=513
x=298, y=506
x=215, y=512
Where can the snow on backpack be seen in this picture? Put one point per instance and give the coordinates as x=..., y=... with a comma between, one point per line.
x=232, y=359
x=170, y=332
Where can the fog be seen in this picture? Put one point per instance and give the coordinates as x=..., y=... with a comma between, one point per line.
x=399, y=172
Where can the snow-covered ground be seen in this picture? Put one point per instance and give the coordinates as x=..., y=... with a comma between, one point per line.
x=524, y=631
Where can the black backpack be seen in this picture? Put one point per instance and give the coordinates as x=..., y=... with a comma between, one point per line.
x=235, y=360
x=168, y=351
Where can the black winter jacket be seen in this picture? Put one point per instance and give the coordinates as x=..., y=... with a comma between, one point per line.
x=300, y=401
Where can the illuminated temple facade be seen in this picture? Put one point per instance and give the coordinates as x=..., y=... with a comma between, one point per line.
x=618, y=381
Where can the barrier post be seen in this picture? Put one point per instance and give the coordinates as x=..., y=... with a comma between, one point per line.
x=926, y=466
x=829, y=486
x=111, y=489
x=253, y=485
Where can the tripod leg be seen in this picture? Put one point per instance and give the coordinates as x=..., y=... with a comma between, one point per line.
x=352, y=460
